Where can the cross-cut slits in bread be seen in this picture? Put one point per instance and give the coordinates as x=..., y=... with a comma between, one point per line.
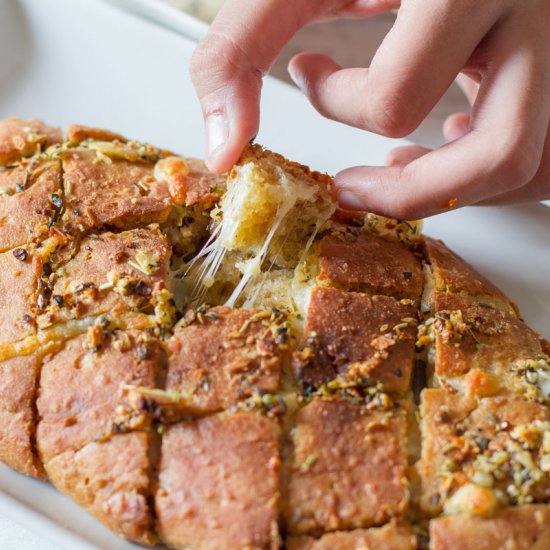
x=231, y=362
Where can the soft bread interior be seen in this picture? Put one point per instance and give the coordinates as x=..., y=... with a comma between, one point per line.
x=264, y=227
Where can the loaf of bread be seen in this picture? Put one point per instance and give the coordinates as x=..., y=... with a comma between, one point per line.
x=231, y=362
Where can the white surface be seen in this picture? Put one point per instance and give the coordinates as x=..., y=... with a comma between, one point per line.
x=351, y=43
x=63, y=61
x=15, y=537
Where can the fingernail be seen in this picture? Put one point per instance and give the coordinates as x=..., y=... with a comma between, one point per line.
x=217, y=133
x=295, y=77
x=349, y=200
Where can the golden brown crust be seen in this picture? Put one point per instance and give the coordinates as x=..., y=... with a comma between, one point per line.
x=95, y=369
x=256, y=153
x=525, y=528
x=219, y=484
x=110, y=479
x=81, y=436
x=18, y=380
x=357, y=260
x=26, y=207
x=489, y=346
x=393, y=536
x=347, y=468
x=24, y=138
x=190, y=182
x=483, y=445
x=115, y=193
x=111, y=273
x=361, y=337
x=76, y=134
x=225, y=356
x=17, y=294
x=454, y=275
x=209, y=389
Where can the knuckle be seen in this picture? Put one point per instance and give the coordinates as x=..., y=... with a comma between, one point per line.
x=205, y=53
x=517, y=161
x=197, y=59
x=219, y=58
x=389, y=116
x=219, y=69
x=201, y=61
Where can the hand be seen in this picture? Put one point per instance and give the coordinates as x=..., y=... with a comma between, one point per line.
x=499, y=153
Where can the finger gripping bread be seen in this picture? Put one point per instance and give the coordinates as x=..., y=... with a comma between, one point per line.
x=231, y=362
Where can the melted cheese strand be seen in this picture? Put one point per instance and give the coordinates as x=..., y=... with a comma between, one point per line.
x=243, y=229
x=253, y=266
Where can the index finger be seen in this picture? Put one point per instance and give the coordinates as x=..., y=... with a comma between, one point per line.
x=228, y=65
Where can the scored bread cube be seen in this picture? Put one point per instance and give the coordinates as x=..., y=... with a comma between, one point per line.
x=393, y=536
x=194, y=191
x=189, y=181
x=95, y=368
x=261, y=188
x=218, y=483
x=24, y=138
x=18, y=287
x=346, y=469
x=119, y=193
x=225, y=356
x=358, y=337
x=29, y=192
x=480, y=454
x=111, y=273
x=484, y=350
x=18, y=381
x=272, y=211
x=447, y=273
x=354, y=259
x=520, y=528
x=111, y=480
x=92, y=448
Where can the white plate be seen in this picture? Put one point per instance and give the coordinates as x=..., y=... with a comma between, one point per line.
x=63, y=61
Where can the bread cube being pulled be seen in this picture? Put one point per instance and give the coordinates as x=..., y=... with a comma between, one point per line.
x=268, y=218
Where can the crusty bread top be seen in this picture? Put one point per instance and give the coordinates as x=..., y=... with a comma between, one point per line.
x=377, y=382
x=257, y=154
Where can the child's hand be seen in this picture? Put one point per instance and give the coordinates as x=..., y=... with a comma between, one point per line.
x=498, y=154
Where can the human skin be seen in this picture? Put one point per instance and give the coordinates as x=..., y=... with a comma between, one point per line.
x=499, y=50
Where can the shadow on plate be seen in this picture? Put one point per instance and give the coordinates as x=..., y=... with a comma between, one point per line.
x=15, y=48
